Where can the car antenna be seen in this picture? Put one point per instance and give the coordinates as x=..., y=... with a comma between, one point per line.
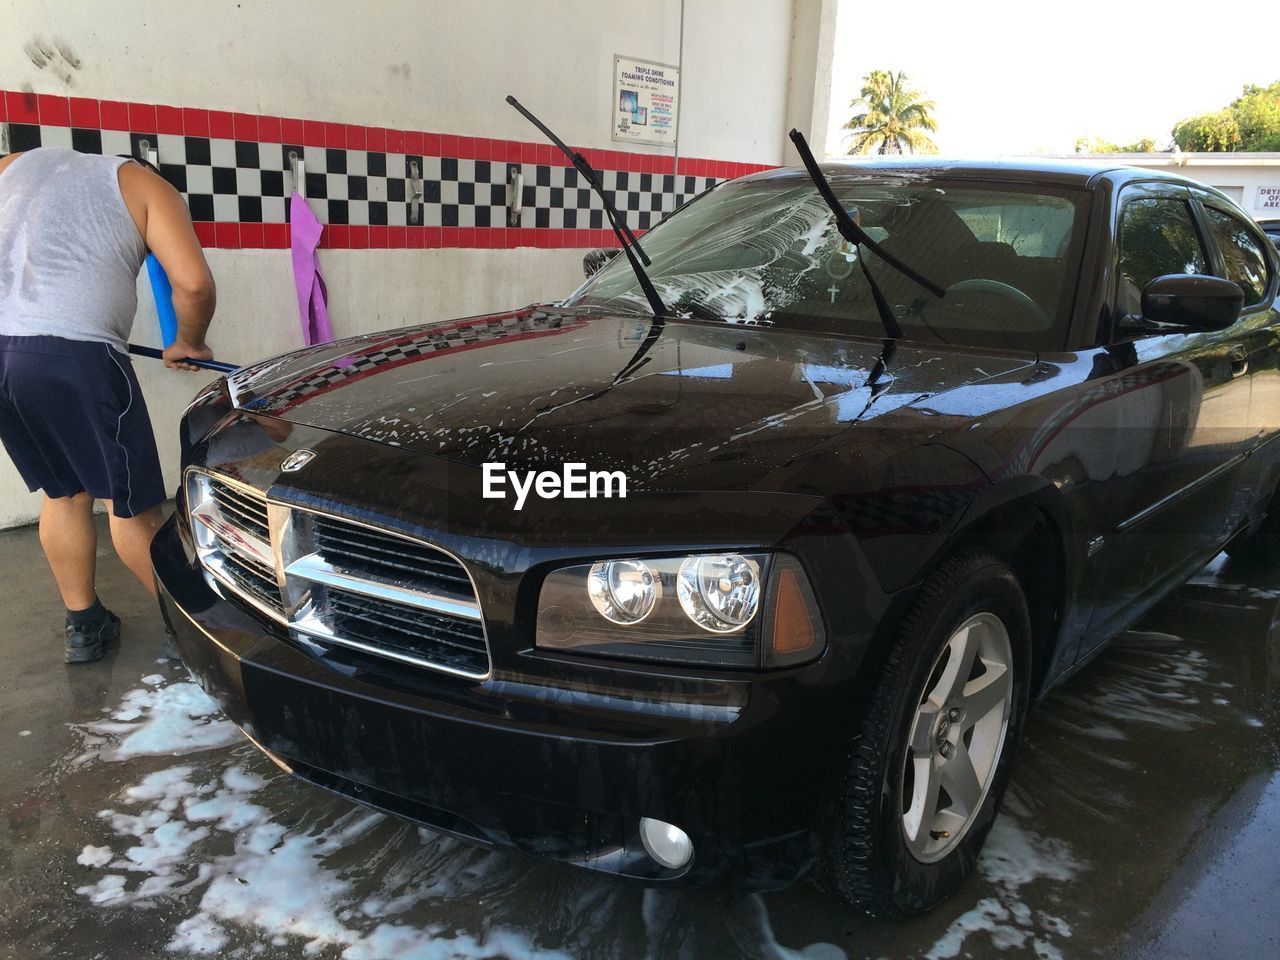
x=851, y=231
x=630, y=245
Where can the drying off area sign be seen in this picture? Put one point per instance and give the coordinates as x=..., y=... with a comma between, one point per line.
x=646, y=99
x=1268, y=199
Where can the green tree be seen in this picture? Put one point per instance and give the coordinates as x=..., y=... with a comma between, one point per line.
x=1257, y=113
x=1209, y=131
x=1249, y=122
x=1098, y=145
x=893, y=117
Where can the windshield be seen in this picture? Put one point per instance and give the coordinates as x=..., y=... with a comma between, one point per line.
x=768, y=252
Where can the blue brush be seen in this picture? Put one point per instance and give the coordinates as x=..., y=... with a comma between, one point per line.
x=162, y=290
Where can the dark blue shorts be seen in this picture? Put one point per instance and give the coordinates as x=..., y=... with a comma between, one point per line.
x=72, y=419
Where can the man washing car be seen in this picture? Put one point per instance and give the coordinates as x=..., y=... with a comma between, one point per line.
x=74, y=231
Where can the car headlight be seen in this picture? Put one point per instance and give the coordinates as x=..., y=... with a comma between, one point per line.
x=720, y=609
x=721, y=592
x=623, y=591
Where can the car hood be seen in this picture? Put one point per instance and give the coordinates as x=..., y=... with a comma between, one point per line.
x=699, y=405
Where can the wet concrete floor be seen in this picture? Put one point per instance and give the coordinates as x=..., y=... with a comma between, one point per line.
x=1142, y=822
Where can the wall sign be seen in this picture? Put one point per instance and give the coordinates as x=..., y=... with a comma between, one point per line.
x=1268, y=199
x=646, y=100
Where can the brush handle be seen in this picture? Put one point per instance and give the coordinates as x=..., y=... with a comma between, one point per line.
x=155, y=354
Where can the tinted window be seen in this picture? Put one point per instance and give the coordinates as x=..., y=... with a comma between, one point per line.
x=1031, y=229
x=1157, y=237
x=767, y=252
x=1246, y=263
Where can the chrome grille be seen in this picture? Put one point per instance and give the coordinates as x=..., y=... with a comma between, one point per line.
x=254, y=578
x=246, y=510
x=230, y=524
x=409, y=632
x=338, y=582
x=389, y=558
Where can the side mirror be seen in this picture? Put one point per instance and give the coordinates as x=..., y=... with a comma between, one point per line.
x=1190, y=300
x=595, y=260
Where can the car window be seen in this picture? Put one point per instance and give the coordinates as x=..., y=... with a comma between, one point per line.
x=1157, y=237
x=767, y=252
x=1033, y=230
x=1245, y=261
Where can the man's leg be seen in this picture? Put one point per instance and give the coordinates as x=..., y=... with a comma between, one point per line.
x=132, y=538
x=71, y=544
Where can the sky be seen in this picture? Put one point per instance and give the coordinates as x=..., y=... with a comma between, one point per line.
x=1017, y=78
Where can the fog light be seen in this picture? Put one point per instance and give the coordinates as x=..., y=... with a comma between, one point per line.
x=666, y=843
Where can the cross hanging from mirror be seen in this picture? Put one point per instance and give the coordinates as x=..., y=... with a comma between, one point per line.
x=833, y=290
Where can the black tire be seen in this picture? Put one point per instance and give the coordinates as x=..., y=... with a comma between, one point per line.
x=1262, y=546
x=870, y=864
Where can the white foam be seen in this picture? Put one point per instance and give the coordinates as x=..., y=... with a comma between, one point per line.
x=295, y=885
x=1012, y=858
x=164, y=721
x=92, y=856
x=198, y=935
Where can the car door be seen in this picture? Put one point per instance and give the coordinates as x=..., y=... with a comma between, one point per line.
x=1180, y=426
x=1242, y=254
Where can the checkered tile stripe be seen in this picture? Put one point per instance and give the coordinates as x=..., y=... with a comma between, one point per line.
x=244, y=181
x=364, y=360
x=559, y=199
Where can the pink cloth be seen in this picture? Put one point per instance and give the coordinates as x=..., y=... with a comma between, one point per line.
x=305, y=239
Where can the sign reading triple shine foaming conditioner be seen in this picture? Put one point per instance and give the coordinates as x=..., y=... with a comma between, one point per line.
x=646, y=101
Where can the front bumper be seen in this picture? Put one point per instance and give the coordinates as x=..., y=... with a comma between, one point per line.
x=750, y=771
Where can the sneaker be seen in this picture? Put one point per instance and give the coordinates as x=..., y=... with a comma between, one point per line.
x=85, y=644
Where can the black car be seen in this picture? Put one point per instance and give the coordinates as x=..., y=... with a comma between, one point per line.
x=884, y=486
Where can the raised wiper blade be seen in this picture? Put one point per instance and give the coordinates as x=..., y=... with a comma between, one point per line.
x=630, y=245
x=850, y=230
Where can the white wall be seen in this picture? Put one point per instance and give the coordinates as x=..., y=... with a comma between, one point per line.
x=440, y=65
x=437, y=65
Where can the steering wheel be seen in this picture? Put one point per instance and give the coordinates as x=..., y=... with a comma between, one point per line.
x=985, y=285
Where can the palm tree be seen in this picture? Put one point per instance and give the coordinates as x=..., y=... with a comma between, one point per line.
x=894, y=119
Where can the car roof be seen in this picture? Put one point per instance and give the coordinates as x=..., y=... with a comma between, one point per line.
x=1059, y=172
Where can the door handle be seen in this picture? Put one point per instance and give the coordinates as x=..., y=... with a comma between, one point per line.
x=1239, y=360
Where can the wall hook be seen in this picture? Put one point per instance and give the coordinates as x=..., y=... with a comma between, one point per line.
x=515, y=204
x=148, y=153
x=415, y=192
x=298, y=169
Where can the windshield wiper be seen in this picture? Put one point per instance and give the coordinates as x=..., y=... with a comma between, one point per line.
x=850, y=230
x=630, y=245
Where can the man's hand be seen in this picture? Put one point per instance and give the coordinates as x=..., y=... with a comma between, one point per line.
x=175, y=355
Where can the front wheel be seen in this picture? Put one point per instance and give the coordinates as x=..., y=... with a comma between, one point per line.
x=931, y=760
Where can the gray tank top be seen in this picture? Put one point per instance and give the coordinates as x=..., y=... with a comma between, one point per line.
x=69, y=250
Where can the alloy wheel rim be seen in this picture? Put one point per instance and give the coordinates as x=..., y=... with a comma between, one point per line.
x=956, y=737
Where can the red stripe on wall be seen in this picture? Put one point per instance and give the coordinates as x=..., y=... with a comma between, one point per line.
x=59, y=111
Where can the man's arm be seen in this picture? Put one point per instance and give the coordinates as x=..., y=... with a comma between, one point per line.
x=166, y=229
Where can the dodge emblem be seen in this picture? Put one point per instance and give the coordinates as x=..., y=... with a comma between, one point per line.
x=297, y=460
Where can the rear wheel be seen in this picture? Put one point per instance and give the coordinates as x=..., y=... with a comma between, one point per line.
x=931, y=760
